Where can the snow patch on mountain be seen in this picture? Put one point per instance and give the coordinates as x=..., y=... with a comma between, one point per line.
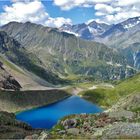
x=70, y=32
x=131, y=25
x=110, y=63
x=100, y=31
x=92, y=30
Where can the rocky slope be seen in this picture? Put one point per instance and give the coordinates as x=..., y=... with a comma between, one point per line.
x=13, y=51
x=127, y=43
x=10, y=128
x=7, y=81
x=123, y=36
x=124, y=33
x=65, y=55
x=26, y=79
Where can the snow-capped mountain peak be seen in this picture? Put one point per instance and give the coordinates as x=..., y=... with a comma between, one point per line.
x=86, y=31
x=131, y=22
x=94, y=30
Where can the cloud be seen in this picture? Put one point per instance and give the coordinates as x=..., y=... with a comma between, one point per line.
x=108, y=11
x=117, y=11
x=57, y=22
x=128, y=2
x=33, y=11
x=69, y=4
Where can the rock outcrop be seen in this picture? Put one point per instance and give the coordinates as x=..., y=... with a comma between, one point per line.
x=7, y=81
x=10, y=128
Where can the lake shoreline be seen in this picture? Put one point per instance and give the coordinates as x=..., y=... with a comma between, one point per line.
x=46, y=117
x=16, y=113
x=18, y=101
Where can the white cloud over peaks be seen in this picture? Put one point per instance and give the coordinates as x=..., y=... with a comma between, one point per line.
x=69, y=4
x=117, y=11
x=128, y=2
x=108, y=11
x=57, y=22
x=33, y=11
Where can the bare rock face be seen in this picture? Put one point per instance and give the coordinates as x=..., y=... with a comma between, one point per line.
x=7, y=81
x=11, y=83
x=123, y=131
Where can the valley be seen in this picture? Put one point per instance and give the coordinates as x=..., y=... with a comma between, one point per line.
x=71, y=70
x=64, y=54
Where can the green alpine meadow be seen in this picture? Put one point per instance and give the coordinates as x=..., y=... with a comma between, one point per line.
x=69, y=69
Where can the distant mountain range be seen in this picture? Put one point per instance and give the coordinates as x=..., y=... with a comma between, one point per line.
x=98, y=31
x=88, y=31
x=121, y=36
x=57, y=56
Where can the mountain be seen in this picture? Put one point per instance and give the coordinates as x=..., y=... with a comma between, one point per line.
x=120, y=28
x=86, y=31
x=65, y=54
x=126, y=40
x=131, y=22
x=100, y=31
x=120, y=36
x=15, y=55
x=47, y=56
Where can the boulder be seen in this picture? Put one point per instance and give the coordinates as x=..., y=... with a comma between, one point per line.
x=73, y=131
x=69, y=123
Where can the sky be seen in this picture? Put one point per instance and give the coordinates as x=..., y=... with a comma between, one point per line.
x=55, y=13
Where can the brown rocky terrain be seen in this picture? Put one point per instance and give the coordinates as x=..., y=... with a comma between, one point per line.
x=10, y=128
x=7, y=81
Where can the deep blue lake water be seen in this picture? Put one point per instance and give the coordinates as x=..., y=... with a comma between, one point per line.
x=47, y=116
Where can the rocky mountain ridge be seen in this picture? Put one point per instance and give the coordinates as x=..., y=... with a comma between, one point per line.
x=11, y=50
x=65, y=54
x=121, y=36
x=99, y=31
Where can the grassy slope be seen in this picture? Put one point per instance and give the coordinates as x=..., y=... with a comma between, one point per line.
x=106, y=97
x=27, y=80
x=31, y=63
x=9, y=64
